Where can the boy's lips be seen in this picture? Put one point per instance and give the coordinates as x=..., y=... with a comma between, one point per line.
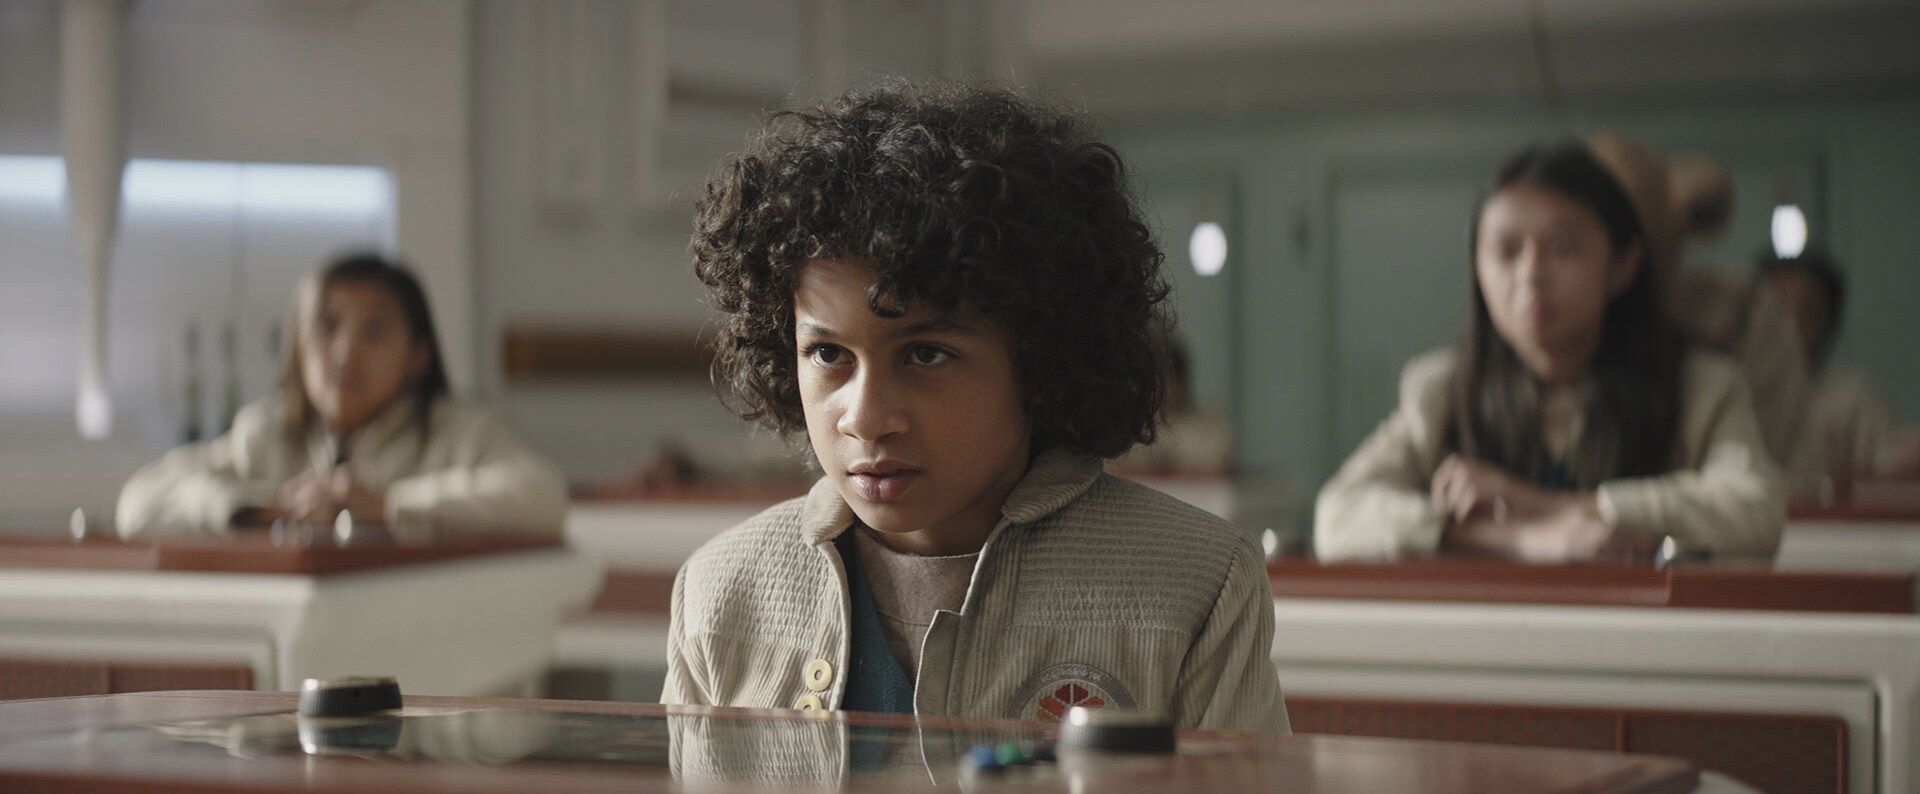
x=882, y=484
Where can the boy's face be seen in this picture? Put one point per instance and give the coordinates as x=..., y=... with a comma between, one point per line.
x=918, y=420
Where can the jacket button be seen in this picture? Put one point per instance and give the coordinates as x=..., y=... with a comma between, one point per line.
x=818, y=675
x=809, y=703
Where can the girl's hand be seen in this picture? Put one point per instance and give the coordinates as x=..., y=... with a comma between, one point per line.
x=1464, y=488
x=320, y=497
x=308, y=499
x=1571, y=530
x=363, y=503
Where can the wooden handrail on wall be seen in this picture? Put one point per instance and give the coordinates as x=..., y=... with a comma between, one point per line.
x=540, y=352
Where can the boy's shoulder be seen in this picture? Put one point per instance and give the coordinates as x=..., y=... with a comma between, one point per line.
x=1125, y=519
x=1125, y=553
x=769, y=536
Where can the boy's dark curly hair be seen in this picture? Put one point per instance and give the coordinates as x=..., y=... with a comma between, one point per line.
x=961, y=196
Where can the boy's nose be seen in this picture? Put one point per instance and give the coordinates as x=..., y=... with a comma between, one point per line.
x=872, y=409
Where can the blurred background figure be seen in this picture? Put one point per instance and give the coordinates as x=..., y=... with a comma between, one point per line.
x=1691, y=198
x=362, y=423
x=1571, y=422
x=1194, y=440
x=1853, y=429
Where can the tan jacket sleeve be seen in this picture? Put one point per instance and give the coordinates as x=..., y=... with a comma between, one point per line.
x=492, y=484
x=1228, y=681
x=1730, y=498
x=198, y=487
x=1377, y=506
x=680, y=687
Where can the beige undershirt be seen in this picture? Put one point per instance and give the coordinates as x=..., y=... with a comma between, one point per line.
x=908, y=589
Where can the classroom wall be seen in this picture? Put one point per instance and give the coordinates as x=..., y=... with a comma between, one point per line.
x=611, y=249
x=1340, y=165
x=513, y=132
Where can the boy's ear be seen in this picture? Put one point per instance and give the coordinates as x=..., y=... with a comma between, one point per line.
x=1625, y=268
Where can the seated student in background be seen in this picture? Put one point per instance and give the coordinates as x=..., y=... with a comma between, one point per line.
x=1853, y=430
x=362, y=423
x=953, y=294
x=1572, y=422
x=1716, y=309
x=1193, y=440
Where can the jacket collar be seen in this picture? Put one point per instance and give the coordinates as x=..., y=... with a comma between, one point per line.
x=392, y=420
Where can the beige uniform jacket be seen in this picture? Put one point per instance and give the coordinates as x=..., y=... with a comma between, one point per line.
x=469, y=474
x=1727, y=498
x=1853, y=427
x=1090, y=587
x=1728, y=314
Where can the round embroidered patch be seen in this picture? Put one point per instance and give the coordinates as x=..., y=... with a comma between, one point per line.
x=1048, y=694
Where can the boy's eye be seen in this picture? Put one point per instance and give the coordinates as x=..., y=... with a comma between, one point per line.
x=826, y=355
x=927, y=355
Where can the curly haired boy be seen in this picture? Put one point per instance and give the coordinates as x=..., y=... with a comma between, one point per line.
x=951, y=291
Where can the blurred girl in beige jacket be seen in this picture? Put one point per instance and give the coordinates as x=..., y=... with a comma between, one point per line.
x=1572, y=423
x=362, y=424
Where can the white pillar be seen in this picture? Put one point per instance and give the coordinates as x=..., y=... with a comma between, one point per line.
x=93, y=138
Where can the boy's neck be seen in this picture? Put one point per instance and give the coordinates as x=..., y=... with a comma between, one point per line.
x=941, y=541
x=965, y=531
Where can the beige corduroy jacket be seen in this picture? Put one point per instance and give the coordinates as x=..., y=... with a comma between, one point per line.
x=1090, y=588
x=1727, y=496
x=469, y=474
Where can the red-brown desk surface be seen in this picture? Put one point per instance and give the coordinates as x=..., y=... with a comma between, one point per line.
x=251, y=552
x=105, y=744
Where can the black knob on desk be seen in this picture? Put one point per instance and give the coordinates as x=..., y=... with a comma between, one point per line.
x=348, y=696
x=1116, y=731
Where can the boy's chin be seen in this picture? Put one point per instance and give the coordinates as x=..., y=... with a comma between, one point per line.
x=889, y=519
